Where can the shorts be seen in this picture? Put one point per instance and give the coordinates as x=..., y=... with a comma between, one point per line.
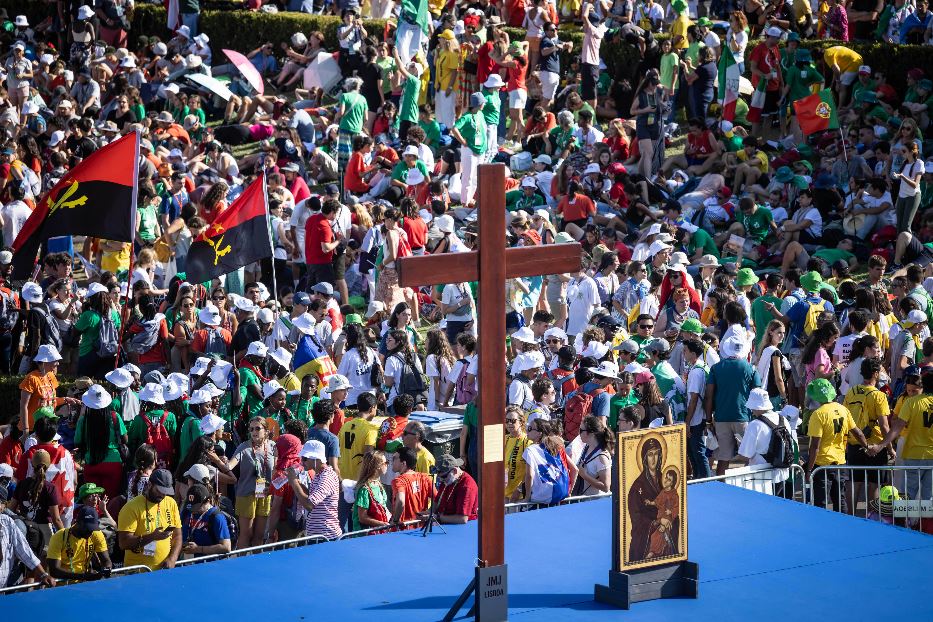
x=590, y=75
x=729, y=434
x=517, y=99
x=856, y=456
x=340, y=266
x=914, y=250
x=251, y=507
x=321, y=273
x=771, y=103
x=692, y=161
x=549, y=83
x=534, y=43
x=808, y=238
x=848, y=78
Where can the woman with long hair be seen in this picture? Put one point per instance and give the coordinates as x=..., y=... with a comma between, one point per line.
x=357, y=363
x=227, y=318
x=672, y=315
x=607, y=280
x=547, y=455
x=148, y=337
x=516, y=442
x=256, y=458
x=647, y=108
x=144, y=460
x=865, y=347
x=446, y=78
x=183, y=331
x=438, y=364
x=400, y=319
x=816, y=353
x=99, y=435
x=677, y=279
x=36, y=498
x=395, y=246
x=399, y=355
x=595, y=463
x=908, y=194
x=97, y=306
x=214, y=201
x=773, y=365
x=652, y=401
x=202, y=451
x=370, y=508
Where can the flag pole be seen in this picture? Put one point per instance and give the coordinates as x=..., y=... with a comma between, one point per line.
x=842, y=136
x=129, y=275
x=275, y=283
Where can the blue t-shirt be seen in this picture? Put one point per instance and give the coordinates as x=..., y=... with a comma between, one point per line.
x=204, y=530
x=797, y=315
x=331, y=444
x=734, y=379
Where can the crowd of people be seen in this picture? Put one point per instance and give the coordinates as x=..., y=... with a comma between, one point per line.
x=752, y=287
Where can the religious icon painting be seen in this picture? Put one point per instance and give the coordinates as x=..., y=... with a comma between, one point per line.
x=652, y=497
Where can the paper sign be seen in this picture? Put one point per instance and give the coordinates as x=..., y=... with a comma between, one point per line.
x=737, y=241
x=493, y=439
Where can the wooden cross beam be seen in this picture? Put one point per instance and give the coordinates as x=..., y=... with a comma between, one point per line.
x=491, y=265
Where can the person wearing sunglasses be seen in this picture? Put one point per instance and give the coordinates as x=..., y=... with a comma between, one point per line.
x=515, y=445
x=644, y=332
x=256, y=457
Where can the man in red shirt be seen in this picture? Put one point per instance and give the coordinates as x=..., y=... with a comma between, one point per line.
x=457, y=496
x=701, y=151
x=411, y=490
x=320, y=243
x=765, y=63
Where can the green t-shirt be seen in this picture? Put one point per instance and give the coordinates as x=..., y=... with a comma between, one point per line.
x=642, y=342
x=88, y=325
x=702, y=239
x=669, y=64
x=113, y=446
x=832, y=255
x=408, y=108
x=139, y=429
x=616, y=404
x=762, y=317
x=400, y=170
x=665, y=376
x=758, y=224
x=190, y=431
x=800, y=80
x=734, y=379
x=491, y=109
x=585, y=106
x=741, y=116
x=301, y=409
x=363, y=500
x=516, y=200
x=432, y=131
x=473, y=129
x=354, y=112
x=386, y=68
x=148, y=222
x=253, y=402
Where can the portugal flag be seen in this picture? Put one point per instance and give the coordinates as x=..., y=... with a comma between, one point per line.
x=817, y=112
x=238, y=236
x=96, y=198
x=729, y=76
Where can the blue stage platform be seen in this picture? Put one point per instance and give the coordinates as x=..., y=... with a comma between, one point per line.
x=761, y=559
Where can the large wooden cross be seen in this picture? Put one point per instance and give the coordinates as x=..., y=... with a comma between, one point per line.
x=491, y=265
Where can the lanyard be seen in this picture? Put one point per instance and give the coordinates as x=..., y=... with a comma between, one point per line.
x=158, y=522
x=256, y=463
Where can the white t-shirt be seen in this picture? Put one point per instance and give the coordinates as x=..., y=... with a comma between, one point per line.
x=393, y=369
x=756, y=440
x=888, y=216
x=741, y=39
x=595, y=464
x=910, y=170
x=57, y=305
x=541, y=490
x=300, y=216
x=520, y=394
x=438, y=370
x=582, y=298
x=696, y=383
x=816, y=220
x=712, y=40
x=357, y=372
x=15, y=215
x=844, y=347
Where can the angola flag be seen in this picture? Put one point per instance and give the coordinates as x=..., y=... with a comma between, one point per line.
x=96, y=198
x=817, y=112
x=237, y=237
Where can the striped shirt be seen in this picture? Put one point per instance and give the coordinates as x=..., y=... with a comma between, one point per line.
x=13, y=547
x=323, y=494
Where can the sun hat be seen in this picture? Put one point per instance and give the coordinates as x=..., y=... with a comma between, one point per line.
x=606, y=369
x=152, y=393
x=209, y=316
x=774, y=31
x=244, y=304
x=89, y=488
x=914, y=318
x=745, y=277
x=337, y=382
x=821, y=390
x=758, y=400
x=477, y=100
x=734, y=347
x=555, y=333
x=543, y=159
x=271, y=388
x=21, y=21
x=563, y=238
x=811, y=281
x=85, y=12
x=305, y=323
x=171, y=390
x=257, y=348
x=137, y=372
x=6, y=257
x=119, y=377
x=47, y=354
x=444, y=223
x=200, y=396
x=210, y=423
x=375, y=306
x=784, y=174
x=32, y=292
x=708, y=261
x=657, y=246
x=281, y=355
x=592, y=168
x=596, y=350
x=313, y=450
x=523, y=334
x=526, y=361
x=494, y=81
x=220, y=374
x=703, y=21
x=265, y=316
x=46, y=412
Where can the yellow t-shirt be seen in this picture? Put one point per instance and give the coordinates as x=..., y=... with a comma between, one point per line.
x=425, y=461
x=866, y=404
x=140, y=517
x=759, y=160
x=679, y=27
x=355, y=434
x=830, y=423
x=74, y=552
x=842, y=57
x=115, y=261
x=918, y=413
x=446, y=63
x=290, y=383
x=515, y=462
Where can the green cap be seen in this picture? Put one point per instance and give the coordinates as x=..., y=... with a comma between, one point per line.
x=704, y=21
x=811, y=281
x=805, y=150
x=926, y=84
x=821, y=390
x=692, y=325
x=784, y=174
x=806, y=164
x=679, y=5
x=354, y=318
x=43, y=413
x=745, y=277
x=88, y=489
x=803, y=54
x=793, y=37
x=887, y=494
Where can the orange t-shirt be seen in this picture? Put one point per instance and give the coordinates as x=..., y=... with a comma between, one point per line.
x=579, y=208
x=418, y=489
x=42, y=388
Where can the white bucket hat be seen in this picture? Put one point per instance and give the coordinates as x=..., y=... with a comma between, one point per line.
x=119, y=377
x=734, y=347
x=152, y=393
x=47, y=354
x=200, y=396
x=305, y=323
x=32, y=292
x=281, y=356
x=314, y=450
x=96, y=397
x=209, y=316
x=524, y=334
x=606, y=369
x=527, y=360
x=171, y=390
x=257, y=348
x=337, y=382
x=758, y=400
x=271, y=388
x=211, y=423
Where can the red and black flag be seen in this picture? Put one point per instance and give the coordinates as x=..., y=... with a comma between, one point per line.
x=96, y=198
x=238, y=236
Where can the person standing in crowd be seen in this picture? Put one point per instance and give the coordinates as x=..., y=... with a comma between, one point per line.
x=320, y=498
x=149, y=526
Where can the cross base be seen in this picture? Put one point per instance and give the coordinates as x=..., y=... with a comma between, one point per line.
x=671, y=581
x=490, y=588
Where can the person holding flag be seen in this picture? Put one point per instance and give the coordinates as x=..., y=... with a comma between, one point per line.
x=765, y=64
x=799, y=81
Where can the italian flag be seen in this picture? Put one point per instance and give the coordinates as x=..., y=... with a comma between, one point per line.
x=728, y=83
x=816, y=112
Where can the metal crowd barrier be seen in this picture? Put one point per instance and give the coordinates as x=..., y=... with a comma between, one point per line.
x=856, y=490
x=26, y=587
x=373, y=530
x=789, y=483
x=526, y=506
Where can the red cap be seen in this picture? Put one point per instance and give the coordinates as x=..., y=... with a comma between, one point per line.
x=617, y=167
x=726, y=191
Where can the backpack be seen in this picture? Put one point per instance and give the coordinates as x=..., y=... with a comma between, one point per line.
x=780, y=452
x=578, y=406
x=559, y=383
x=108, y=338
x=146, y=340
x=811, y=321
x=413, y=381
x=9, y=314
x=233, y=525
x=214, y=343
x=465, y=389
x=48, y=333
x=157, y=436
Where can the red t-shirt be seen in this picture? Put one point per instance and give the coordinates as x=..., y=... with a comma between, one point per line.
x=199, y=343
x=353, y=178
x=768, y=60
x=461, y=498
x=318, y=231
x=337, y=422
x=701, y=144
x=10, y=449
x=484, y=64
x=416, y=230
x=581, y=207
x=517, y=73
x=299, y=189
x=418, y=489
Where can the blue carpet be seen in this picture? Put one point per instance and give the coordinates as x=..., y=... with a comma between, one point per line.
x=760, y=558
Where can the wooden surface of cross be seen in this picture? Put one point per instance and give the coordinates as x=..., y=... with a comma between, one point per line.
x=491, y=265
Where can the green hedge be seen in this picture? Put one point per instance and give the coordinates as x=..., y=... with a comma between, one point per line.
x=245, y=30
